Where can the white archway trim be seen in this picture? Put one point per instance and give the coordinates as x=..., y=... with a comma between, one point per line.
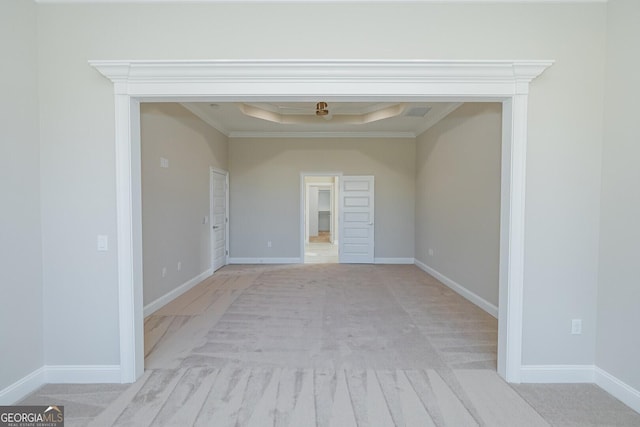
x=369, y=80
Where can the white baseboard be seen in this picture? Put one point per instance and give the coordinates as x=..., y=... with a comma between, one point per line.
x=394, y=261
x=572, y=374
x=265, y=261
x=22, y=387
x=557, y=374
x=618, y=389
x=171, y=295
x=59, y=374
x=458, y=288
x=82, y=374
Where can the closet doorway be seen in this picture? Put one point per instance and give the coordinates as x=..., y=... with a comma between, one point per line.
x=320, y=214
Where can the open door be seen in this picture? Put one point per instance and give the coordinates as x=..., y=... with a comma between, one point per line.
x=357, y=219
x=218, y=219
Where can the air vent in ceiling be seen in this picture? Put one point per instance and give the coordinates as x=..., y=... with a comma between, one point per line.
x=418, y=111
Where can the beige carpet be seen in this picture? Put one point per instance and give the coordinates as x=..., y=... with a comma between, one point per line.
x=324, y=345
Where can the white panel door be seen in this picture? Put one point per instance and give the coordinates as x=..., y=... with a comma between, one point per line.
x=357, y=219
x=218, y=219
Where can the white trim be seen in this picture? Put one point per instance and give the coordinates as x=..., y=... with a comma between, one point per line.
x=305, y=135
x=459, y=289
x=557, y=374
x=394, y=260
x=264, y=260
x=436, y=116
x=572, y=374
x=200, y=110
x=175, y=293
x=59, y=374
x=21, y=388
x=334, y=80
x=618, y=389
x=82, y=374
x=322, y=1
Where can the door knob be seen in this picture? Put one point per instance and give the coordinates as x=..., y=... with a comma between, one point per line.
x=215, y=226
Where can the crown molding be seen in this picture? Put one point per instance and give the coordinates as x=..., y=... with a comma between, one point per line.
x=318, y=1
x=304, y=135
x=201, y=112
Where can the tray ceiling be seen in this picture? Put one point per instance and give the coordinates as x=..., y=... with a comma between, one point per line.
x=341, y=119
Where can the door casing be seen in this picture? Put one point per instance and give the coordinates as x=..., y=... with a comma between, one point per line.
x=505, y=81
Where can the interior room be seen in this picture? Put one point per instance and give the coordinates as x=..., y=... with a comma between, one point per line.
x=157, y=232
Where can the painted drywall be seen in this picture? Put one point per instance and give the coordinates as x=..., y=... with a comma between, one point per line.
x=265, y=189
x=563, y=156
x=618, y=342
x=21, y=315
x=175, y=200
x=458, y=197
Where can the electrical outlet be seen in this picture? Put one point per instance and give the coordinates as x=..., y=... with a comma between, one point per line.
x=179, y=265
x=576, y=326
x=164, y=271
x=269, y=244
x=430, y=252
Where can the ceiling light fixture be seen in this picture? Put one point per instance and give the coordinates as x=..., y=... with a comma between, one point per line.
x=322, y=109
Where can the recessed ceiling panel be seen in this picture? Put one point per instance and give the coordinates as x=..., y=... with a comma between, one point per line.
x=381, y=119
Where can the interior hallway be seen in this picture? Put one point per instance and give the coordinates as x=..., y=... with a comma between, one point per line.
x=321, y=253
x=327, y=345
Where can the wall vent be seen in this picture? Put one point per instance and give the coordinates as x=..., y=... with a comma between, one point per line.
x=417, y=111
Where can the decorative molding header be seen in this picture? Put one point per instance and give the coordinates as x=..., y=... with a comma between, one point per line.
x=458, y=81
x=320, y=1
x=238, y=78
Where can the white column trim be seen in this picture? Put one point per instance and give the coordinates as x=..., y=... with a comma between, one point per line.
x=334, y=80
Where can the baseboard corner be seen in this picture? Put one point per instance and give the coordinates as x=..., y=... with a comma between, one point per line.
x=23, y=387
x=618, y=388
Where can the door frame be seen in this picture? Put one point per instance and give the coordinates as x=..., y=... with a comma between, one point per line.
x=213, y=170
x=303, y=202
x=136, y=81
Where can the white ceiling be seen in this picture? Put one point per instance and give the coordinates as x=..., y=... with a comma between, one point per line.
x=299, y=119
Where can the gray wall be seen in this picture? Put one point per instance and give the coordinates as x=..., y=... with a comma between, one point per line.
x=458, y=198
x=20, y=236
x=175, y=200
x=563, y=158
x=618, y=349
x=265, y=189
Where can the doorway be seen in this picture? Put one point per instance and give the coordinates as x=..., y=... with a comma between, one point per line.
x=347, y=80
x=320, y=218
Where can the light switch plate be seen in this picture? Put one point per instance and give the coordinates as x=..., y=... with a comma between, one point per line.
x=103, y=243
